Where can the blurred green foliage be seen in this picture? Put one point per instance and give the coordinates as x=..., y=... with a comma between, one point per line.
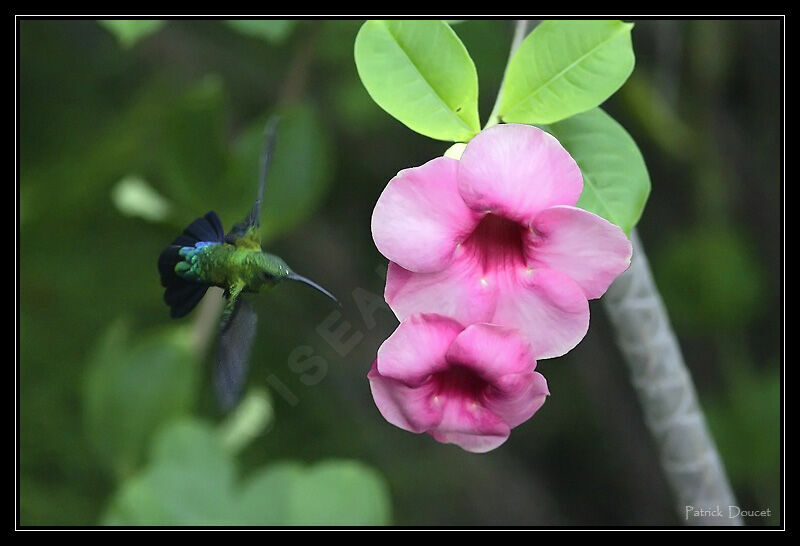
x=191, y=480
x=131, y=388
x=711, y=279
x=746, y=422
x=134, y=197
x=130, y=31
x=174, y=134
x=117, y=421
x=275, y=30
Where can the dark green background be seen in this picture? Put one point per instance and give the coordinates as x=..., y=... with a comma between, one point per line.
x=704, y=104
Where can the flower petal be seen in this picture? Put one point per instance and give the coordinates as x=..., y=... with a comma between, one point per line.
x=516, y=397
x=417, y=348
x=516, y=171
x=491, y=351
x=475, y=443
x=470, y=426
x=547, y=307
x=459, y=291
x=588, y=248
x=411, y=409
x=420, y=217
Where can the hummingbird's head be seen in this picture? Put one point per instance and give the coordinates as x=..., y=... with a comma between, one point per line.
x=269, y=270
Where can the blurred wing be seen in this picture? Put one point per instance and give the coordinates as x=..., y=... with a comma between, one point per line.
x=245, y=233
x=237, y=333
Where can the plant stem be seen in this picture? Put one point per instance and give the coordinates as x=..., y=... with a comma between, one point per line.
x=206, y=320
x=689, y=457
x=520, y=31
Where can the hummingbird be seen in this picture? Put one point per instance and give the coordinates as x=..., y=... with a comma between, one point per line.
x=204, y=256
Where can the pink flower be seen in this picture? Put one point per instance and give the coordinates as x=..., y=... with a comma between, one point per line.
x=467, y=386
x=496, y=237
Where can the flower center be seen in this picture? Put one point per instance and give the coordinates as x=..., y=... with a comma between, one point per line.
x=497, y=241
x=459, y=382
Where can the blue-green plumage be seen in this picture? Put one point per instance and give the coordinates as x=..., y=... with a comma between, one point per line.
x=203, y=256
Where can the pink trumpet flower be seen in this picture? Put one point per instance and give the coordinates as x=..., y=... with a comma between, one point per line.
x=466, y=386
x=496, y=237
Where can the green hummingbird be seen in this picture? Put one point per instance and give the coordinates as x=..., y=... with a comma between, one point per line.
x=203, y=256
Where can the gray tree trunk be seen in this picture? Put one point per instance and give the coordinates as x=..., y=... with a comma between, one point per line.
x=667, y=396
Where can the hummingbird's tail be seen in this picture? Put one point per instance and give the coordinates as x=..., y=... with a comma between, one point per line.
x=182, y=295
x=295, y=277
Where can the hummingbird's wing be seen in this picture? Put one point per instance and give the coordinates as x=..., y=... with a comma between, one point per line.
x=237, y=332
x=245, y=233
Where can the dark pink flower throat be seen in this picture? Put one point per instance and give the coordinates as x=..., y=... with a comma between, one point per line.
x=497, y=241
x=459, y=382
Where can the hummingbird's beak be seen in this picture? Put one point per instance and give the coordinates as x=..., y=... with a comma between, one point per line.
x=295, y=277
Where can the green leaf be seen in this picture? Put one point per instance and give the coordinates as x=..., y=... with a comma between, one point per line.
x=420, y=73
x=566, y=67
x=615, y=179
x=130, y=31
x=328, y=493
x=272, y=30
x=191, y=480
x=339, y=493
x=133, y=387
x=265, y=498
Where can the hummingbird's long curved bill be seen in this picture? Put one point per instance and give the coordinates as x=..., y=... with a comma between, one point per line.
x=312, y=284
